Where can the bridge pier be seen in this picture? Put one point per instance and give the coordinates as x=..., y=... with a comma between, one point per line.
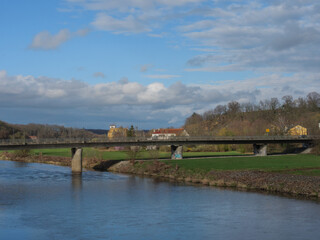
x=76, y=162
x=260, y=149
x=176, y=152
x=308, y=148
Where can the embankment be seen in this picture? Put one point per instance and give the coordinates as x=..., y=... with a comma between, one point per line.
x=295, y=185
x=92, y=163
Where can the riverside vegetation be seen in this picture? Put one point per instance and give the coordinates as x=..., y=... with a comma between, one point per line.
x=94, y=156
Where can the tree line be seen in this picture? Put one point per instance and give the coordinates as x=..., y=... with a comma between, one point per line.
x=19, y=131
x=251, y=119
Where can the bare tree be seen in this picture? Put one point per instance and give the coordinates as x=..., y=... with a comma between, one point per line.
x=233, y=107
x=133, y=152
x=288, y=102
x=301, y=103
x=220, y=109
x=274, y=104
x=194, y=119
x=313, y=100
x=247, y=107
x=208, y=115
x=154, y=153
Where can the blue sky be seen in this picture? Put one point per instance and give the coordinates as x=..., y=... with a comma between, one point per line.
x=151, y=63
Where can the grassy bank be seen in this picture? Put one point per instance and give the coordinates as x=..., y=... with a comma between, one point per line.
x=296, y=175
x=122, y=155
x=294, y=164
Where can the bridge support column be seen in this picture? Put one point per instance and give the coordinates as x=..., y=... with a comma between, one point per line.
x=76, y=162
x=260, y=149
x=176, y=152
x=307, y=148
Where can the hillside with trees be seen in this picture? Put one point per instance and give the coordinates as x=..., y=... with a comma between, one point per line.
x=249, y=119
x=8, y=131
x=19, y=131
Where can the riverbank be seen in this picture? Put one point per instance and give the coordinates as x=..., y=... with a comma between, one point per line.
x=55, y=160
x=88, y=163
x=274, y=182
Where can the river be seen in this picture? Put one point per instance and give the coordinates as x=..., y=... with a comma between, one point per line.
x=39, y=201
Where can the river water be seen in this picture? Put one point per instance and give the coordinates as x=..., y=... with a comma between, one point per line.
x=39, y=201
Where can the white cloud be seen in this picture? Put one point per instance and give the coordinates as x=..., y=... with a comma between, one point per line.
x=133, y=16
x=127, y=5
x=25, y=89
x=157, y=35
x=79, y=103
x=280, y=36
x=47, y=41
x=127, y=25
x=258, y=35
x=145, y=67
x=82, y=32
x=99, y=74
x=163, y=76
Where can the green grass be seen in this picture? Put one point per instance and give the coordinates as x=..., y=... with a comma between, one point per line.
x=307, y=172
x=289, y=164
x=208, y=154
x=61, y=152
x=267, y=163
x=121, y=155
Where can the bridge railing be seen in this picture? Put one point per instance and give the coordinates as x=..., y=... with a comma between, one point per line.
x=150, y=139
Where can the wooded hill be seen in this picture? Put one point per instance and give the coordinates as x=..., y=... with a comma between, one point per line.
x=248, y=119
x=9, y=131
x=18, y=131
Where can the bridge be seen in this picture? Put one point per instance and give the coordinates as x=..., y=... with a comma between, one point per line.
x=76, y=144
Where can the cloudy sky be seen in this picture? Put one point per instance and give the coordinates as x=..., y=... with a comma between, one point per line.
x=151, y=63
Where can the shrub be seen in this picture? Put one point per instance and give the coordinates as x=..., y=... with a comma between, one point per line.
x=22, y=153
x=154, y=154
x=316, y=148
x=133, y=153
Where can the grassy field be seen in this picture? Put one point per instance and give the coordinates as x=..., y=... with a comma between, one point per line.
x=122, y=155
x=290, y=164
x=295, y=164
x=208, y=154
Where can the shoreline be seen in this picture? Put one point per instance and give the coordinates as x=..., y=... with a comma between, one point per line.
x=297, y=186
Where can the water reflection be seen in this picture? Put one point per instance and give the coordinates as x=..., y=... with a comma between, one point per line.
x=48, y=202
x=76, y=180
x=20, y=164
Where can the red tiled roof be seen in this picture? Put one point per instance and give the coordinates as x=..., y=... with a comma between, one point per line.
x=177, y=131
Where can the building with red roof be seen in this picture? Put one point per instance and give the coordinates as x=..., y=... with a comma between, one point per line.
x=165, y=133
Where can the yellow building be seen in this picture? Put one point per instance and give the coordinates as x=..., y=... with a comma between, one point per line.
x=298, y=131
x=115, y=132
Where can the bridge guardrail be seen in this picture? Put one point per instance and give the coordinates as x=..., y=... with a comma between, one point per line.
x=149, y=139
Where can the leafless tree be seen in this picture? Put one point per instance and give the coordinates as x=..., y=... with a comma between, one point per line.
x=313, y=100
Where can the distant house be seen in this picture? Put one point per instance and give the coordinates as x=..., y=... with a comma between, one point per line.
x=33, y=138
x=298, y=131
x=166, y=133
x=115, y=132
